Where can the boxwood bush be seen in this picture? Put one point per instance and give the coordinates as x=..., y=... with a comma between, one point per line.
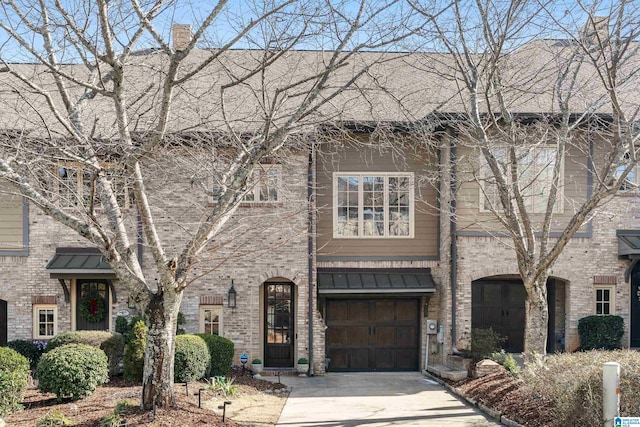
x=601, y=332
x=32, y=350
x=111, y=344
x=192, y=358
x=134, y=356
x=73, y=370
x=484, y=343
x=221, y=352
x=14, y=378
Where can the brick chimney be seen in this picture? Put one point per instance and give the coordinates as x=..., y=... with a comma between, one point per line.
x=181, y=36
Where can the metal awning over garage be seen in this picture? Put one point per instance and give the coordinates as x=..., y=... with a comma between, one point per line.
x=78, y=262
x=629, y=248
x=415, y=281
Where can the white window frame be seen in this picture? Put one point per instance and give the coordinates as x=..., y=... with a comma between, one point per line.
x=611, y=302
x=632, y=181
x=79, y=187
x=386, y=175
x=201, y=317
x=485, y=190
x=257, y=179
x=36, y=320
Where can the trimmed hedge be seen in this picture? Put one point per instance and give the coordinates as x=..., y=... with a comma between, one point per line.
x=111, y=344
x=601, y=332
x=134, y=356
x=73, y=370
x=484, y=342
x=191, y=359
x=32, y=350
x=14, y=378
x=221, y=351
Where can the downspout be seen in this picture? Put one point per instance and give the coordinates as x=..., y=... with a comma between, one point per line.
x=453, y=229
x=310, y=252
x=139, y=239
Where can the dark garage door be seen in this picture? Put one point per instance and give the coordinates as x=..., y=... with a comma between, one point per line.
x=373, y=334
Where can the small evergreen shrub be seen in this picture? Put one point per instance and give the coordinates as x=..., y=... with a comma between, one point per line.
x=124, y=327
x=134, y=356
x=484, y=342
x=111, y=344
x=191, y=359
x=14, y=378
x=221, y=351
x=303, y=361
x=32, y=350
x=601, y=332
x=54, y=418
x=73, y=370
x=180, y=322
x=507, y=360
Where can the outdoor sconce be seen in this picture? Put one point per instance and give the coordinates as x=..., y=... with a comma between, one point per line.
x=231, y=296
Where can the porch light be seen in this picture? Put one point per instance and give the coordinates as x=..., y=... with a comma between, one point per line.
x=231, y=296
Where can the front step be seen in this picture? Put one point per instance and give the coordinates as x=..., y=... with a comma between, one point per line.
x=448, y=373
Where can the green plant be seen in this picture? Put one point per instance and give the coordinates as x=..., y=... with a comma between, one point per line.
x=122, y=325
x=14, y=378
x=134, y=356
x=181, y=321
x=54, y=418
x=256, y=362
x=191, y=358
x=221, y=351
x=484, y=342
x=111, y=344
x=508, y=361
x=303, y=361
x=223, y=386
x=111, y=420
x=32, y=350
x=600, y=332
x=73, y=370
x=125, y=407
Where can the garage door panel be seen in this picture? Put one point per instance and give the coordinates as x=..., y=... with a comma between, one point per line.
x=376, y=334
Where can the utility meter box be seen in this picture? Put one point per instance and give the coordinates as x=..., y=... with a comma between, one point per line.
x=432, y=326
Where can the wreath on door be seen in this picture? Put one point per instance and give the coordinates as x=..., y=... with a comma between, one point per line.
x=92, y=309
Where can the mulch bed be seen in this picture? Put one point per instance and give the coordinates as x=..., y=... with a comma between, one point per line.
x=90, y=410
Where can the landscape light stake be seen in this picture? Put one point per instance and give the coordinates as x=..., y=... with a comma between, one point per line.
x=200, y=397
x=186, y=387
x=224, y=408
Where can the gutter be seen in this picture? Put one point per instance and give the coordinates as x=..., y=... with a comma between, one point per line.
x=453, y=230
x=310, y=254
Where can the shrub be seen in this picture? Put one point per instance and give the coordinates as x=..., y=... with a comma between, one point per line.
x=600, y=332
x=572, y=385
x=180, y=322
x=134, y=356
x=14, y=378
x=223, y=386
x=32, y=350
x=54, y=418
x=73, y=370
x=507, y=360
x=484, y=342
x=192, y=358
x=221, y=351
x=256, y=362
x=124, y=327
x=303, y=361
x=111, y=344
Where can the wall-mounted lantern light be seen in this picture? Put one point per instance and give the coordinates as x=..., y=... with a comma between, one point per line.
x=231, y=296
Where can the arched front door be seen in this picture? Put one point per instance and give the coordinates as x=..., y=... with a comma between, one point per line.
x=92, y=305
x=278, y=324
x=635, y=306
x=3, y=322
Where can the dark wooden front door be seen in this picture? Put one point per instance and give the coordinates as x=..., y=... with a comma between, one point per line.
x=373, y=334
x=3, y=322
x=500, y=305
x=279, y=327
x=635, y=306
x=94, y=295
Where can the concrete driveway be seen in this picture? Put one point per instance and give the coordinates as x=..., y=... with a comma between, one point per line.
x=374, y=399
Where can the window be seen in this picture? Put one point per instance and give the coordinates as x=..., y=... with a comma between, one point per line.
x=14, y=222
x=44, y=321
x=535, y=166
x=632, y=181
x=605, y=302
x=74, y=185
x=373, y=205
x=263, y=185
x=211, y=319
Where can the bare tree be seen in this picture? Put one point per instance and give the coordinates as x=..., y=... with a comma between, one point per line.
x=94, y=89
x=574, y=66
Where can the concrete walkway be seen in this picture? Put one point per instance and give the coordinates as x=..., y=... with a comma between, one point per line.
x=374, y=399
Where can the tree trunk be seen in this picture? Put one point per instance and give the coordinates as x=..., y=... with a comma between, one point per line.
x=157, y=381
x=537, y=318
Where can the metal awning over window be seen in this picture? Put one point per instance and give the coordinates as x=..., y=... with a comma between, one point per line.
x=79, y=263
x=373, y=281
x=629, y=248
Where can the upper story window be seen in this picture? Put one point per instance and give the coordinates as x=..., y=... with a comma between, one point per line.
x=75, y=185
x=13, y=222
x=263, y=184
x=535, y=168
x=373, y=205
x=632, y=181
